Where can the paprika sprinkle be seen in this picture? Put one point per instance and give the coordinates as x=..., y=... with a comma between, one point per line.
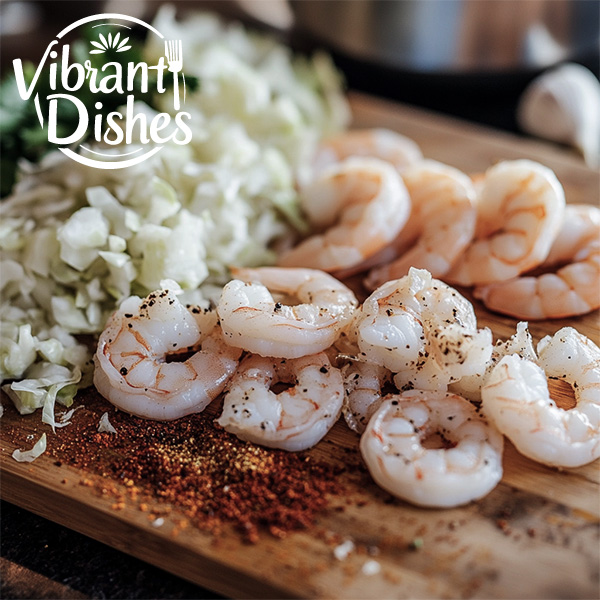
x=208, y=475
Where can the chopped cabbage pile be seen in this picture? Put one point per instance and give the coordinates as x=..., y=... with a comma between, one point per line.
x=75, y=241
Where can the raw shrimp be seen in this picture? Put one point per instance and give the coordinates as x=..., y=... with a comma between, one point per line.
x=357, y=207
x=422, y=330
x=519, y=343
x=574, y=289
x=385, y=144
x=132, y=360
x=255, y=321
x=296, y=418
x=363, y=383
x=519, y=212
x=464, y=465
x=442, y=221
x=516, y=399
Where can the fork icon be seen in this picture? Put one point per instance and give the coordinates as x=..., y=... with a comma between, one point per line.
x=174, y=54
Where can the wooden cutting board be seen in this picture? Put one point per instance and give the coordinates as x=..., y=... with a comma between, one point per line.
x=535, y=536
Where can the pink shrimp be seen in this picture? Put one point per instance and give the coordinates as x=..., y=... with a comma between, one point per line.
x=519, y=211
x=385, y=144
x=357, y=207
x=441, y=224
x=573, y=289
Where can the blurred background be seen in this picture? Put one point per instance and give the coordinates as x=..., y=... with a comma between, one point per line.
x=469, y=58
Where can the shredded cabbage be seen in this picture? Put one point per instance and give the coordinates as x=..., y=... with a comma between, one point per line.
x=105, y=426
x=30, y=455
x=76, y=241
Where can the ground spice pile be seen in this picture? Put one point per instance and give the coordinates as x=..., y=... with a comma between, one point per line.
x=209, y=475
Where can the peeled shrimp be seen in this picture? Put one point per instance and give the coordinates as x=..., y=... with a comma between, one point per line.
x=519, y=343
x=574, y=289
x=442, y=221
x=519, y=211
x=358, y=206
x=133, y=370
x=362, y=383
x=296, y=418
x=516, y=399
x=422, y=330
x=252, y=319
x=466, y=467
x=385, y=144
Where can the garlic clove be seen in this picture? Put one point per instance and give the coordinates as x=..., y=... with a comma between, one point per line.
x=563, y=105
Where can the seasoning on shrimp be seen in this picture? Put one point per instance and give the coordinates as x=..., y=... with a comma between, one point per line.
x=295, y=418
x=252, y=319
x=422, y=330
x=520, y=343
x=441, y=224
x=466, y=464
x=519, y=211
x=574, y=289
x=356, y=207
x=516, y=399
x=133, y=370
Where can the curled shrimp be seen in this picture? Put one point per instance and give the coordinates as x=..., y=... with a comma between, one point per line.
x=442, y=222
x=385, y=144
x=573, y=289
x=133, y=369
x=422, y=330
x=252, y=319
x=520, y=343
x=516, y=399
x=295, y=418
x=519, y=211
x=363, y=383
x=357, y=207
x=466, y=464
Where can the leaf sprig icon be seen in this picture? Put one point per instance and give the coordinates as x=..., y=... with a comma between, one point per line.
x=112, y=42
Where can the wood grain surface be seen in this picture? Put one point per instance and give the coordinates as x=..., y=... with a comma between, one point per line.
x=535, y=536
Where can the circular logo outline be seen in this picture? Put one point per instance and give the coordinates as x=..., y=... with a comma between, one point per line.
x=90, y=162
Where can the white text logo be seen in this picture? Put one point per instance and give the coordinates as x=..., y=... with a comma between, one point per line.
x=68, y=78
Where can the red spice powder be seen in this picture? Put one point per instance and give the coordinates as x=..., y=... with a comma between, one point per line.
x=193, y=465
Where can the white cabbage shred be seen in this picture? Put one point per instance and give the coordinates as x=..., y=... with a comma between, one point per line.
x=104, y=425
x=30, y=455
x=76, y=241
